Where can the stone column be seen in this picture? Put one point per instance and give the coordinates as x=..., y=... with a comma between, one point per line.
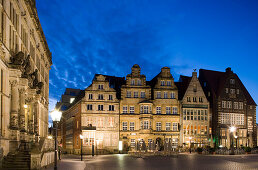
x=14, y=105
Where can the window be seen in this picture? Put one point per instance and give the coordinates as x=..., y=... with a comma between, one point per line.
x=128, y=94
x=194, y=99
x=232, y=81
x=165, y=95
x=100, y=107
x=168, y=110
x=174, y=110
x=204, y=84
x=162, y=83
x=232, y=91
x=158, y=126
x=224, y=103
x=100, y=86
x=133, y=143
x=131, y=126
x=124, y=109
x=195, y=88
x=72, y=99
x=168, y=83
x=235, y=105
x=100, y=123
x=124, y=125
x=172, y=95
x=100, y=97
x=158, y=110
x=142, y=94
x=135, y=94
x=145, y=109
x=90, y=96
x=145, y=124
x=89, y=107
x=232, y=118
x=139, y=82
x=110, y=97
x=200, y=99
x=168, y=126
x=111, y=107
x=175, y=126
x=131, y=109
x=188, y=99
x=226, y=90
x=158, y=95
x=237, y=91
x=241, y=105
x=133, y=82
x=229, y=104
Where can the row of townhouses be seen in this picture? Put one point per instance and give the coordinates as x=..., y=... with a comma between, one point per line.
x=25, y=61
x=197, y=110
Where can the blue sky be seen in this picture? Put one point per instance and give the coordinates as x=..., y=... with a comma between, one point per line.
x=109, y=36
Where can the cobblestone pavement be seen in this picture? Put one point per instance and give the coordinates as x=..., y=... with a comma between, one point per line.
x=180, y=162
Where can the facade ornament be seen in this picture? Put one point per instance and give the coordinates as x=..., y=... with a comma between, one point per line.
x=26, y=67
x=17, y=59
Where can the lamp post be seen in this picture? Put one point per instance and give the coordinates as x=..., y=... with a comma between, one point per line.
x=236, y=141
x=190, y=143
x=81, y=137
x=56, y=116
x=232, y=130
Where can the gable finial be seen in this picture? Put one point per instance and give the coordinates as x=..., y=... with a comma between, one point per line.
x=194, y=70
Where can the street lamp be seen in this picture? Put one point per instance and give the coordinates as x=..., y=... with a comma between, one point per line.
x=81, y=137
x=236, y=141
x=56, y=116
x=232, y=130
x=190, y=143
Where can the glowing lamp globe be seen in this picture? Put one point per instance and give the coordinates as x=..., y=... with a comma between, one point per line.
x=56, y=115
x=232, y=129
x=81, y=136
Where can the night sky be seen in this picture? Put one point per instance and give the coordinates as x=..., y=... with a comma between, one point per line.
x=109, y=36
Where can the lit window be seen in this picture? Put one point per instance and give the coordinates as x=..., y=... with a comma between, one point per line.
x=133, y=143
x=241, y=105
x=224, y=103
x=229, y=104
x=72, y=99
x=235, y=105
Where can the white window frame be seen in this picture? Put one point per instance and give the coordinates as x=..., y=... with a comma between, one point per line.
x=158, y=126
x=124, y=126
x=158, y=110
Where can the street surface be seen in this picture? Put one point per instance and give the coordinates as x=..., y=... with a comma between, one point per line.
x=181, y=162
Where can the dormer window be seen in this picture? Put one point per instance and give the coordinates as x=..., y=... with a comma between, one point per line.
x=232, y=81
x=100, y=86
x=162, y=83
x=200, y=99
x=188, y=99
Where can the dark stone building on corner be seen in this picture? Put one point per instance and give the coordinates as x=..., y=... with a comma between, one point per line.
x=231, y=105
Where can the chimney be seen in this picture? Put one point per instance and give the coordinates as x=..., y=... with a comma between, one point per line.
x=228, y=70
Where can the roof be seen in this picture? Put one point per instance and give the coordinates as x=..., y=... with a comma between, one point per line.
x=80, y=95
x=182, y=85
x=216, y=81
